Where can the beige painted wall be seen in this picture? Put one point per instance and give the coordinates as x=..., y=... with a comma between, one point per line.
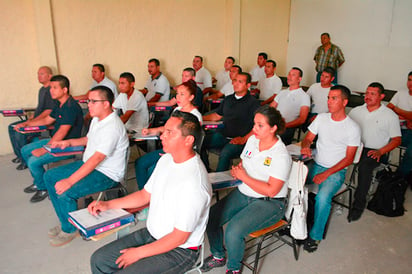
x=71, y=35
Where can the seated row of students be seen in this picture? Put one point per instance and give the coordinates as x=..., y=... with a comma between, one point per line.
x=63, y=184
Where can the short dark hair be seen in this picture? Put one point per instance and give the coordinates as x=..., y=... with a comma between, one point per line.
x=200, y=57
x=190, y=85
x=154, y=60
x=345, y=92
x=128, y=76
x=263, y=54
x=271, y=61
x=191, y=70
x=105, y=92
x=410, y=73
x=331, y=71
x=231, y=58
x=325, y=33
x=189, y=125
x=300, y=71
x=273, y=117
x=239, y=69
x=100, y=67
x=63, y=81
x=377, y=85
x=248, y=77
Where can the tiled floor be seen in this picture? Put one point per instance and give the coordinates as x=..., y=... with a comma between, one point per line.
x=375, y=244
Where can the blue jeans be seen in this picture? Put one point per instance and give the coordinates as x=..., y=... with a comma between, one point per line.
x=243, y=215
x=67, y=201
x=228, y=151
x=145, y=165
x=323, y=200
x=406, y=164
x=36, y=164
x=18, y=140
x=177, y=260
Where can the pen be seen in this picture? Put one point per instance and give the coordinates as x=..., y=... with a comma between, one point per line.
x=98, y=199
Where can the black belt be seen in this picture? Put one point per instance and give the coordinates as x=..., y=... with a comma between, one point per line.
x=270, y=198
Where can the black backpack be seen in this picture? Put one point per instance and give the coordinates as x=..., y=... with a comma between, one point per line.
x=390, y=194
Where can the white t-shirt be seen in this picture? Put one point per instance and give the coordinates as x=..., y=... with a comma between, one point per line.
x=136, y=103
x=180, y=198
x=274, y=162
x=333, y=138
x=227, y=89
x=290, y=102
x=195, y=112
x=109, y=137
x=257, y=73
x=203, y=78
x=222, y=77
x=377, y=127
x=269, y=86
x=402, y=99
x=158, y=85
x=319, y=96
x=107, y=83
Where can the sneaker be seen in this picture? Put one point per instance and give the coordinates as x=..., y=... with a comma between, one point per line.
x=30, y=189
x=310, y=245
x=53, y=232
x=212, y=262
x=142, y=215
x=228, y=271
x=39, y=196
x=16, y=160
x=63, y=238
x=21, y=166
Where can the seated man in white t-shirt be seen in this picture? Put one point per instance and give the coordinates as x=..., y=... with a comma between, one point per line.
x=381, y=134
x=401, y=104
x=222, y=76
x=132, y=104
x=269, y=86
x=102, y=167
x=203, y=77
x=338, y=140
x=179, y=195
x=99, y=79
x=258, y=72
x=227, y=88
x=293, y=103
x=318, y=93
x=157, y=87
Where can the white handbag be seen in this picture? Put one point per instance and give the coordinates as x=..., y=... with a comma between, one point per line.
x=299, y=201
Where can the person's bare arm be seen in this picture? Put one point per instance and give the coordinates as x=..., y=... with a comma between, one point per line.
x=303, y=114
x=212, y=117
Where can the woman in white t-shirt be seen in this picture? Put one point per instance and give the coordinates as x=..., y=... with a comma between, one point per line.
x=256, y=203
x=145, y=165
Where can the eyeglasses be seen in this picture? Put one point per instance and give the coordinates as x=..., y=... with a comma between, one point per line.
x=94, y=101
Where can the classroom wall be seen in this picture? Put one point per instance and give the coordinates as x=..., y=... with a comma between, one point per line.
x=374, y=35
x=71, y=35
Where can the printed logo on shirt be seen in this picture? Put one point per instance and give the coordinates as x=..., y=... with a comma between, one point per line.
x=267, y=161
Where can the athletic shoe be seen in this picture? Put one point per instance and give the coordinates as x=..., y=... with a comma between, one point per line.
x=212, y=262
x=310, y=245
x=53, y=232
x=63, y=238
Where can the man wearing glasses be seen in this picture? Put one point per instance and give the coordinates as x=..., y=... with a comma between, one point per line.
x=102, y=166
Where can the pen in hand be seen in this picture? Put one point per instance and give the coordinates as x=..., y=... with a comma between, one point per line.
x=97, y=201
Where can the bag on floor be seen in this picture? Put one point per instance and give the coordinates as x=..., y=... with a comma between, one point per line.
x=390, y=194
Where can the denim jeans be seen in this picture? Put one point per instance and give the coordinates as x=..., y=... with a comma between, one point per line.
x=405, y=166
x=323, y=201
x=67, y=201
x=145, y=165
x=18, y=140
x=177, y=260
x=243, y=215
x=36, y=164
x=228, y=151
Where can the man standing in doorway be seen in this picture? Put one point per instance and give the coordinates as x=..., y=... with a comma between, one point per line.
x=328, y=55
